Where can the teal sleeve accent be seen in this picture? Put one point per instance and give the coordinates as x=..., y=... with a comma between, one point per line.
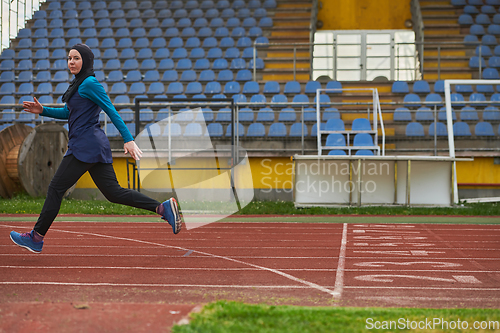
x=93, y=90
x=58, y=113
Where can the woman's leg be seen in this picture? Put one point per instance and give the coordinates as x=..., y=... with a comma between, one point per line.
x=67, y=174
x=104, y=177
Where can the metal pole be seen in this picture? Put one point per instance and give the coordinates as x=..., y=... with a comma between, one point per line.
x=480, y=62
x=294, y=62
x=254, y=63
x=439, y=62
x=435, y=130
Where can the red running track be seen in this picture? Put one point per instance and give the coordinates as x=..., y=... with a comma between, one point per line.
x=410, y=265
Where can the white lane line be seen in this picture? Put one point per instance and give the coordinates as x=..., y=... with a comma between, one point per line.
x=466, y=279
x=339, y=277
x=421, y=288
x=167, y=268
x=149, y=285
x=285, y=275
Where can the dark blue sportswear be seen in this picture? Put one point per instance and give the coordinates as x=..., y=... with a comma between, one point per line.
x=87, y=141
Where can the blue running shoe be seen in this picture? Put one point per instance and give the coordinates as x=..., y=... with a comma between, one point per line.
x=26, y=240
x=171, y=214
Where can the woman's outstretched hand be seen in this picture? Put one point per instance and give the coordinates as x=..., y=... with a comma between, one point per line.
x=132, y=149
x=33, y=107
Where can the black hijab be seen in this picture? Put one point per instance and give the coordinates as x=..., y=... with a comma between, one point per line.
x=86, y=70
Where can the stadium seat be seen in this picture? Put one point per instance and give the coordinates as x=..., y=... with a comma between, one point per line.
x=297, y=130
x=213, y=87
x=411, y=100
x=292, y=87
x=311, y=87
x=364, y=152
x=477, y=99
x=337, y=152
x=207, y=75
x=484, y=129
x=214, y=130
x=335, y=140
x=361, y=124
x=265, y=115
x=433, y=99
x=441, y=129
x=175, y=88
x=421, y=87
x=277, y=130
x=335, y=125
x=491, y=113
x=287, y=115
x=400, y=87
x=424, y=114
x=414, y=129
x=245, y=115
x=232, y=87
x=461, y=129
x=469, y=114
x=256, y=130
x=490, y=74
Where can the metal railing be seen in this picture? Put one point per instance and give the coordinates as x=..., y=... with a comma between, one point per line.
x=13, y=17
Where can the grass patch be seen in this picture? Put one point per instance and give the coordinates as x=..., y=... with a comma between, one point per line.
x=24, y=204
x=234, y=317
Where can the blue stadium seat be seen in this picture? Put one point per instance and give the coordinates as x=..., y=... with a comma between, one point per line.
x=225, y=75
x=137, y=88
x=7, y=76
x=256, y=130
x=337, y=152
x=414, y=129
x=489, y=40
x=465, y=19
x=232, y=87
x=490, y=74
x=131, y=64
x=115, y=76
x=301, y=98
x=484, y=129
x=330, y=113
x=335, y=140
x=311, y=87
x=265, y=115
x=251, y=87
x=476, y=29
x=226, y=42
x=361, y=124
x=457, y=99
x=213, y=87
x=424, y=114
x=179, y=53
x=151, y=76
x=484, y=50
x=208, y=75
x=193, y=88
x=156, y=88
x=279, y=98
x=184, y=64
x=243, y=75
x=433, y=99
x=201, y=64
x=188, y=76
x=461, y=129
x=482, y=19
x=468, y=114
x=413, y=99
x=277, y=130
x=485, y=88
x=214, y=130
x=400, y=87
x=287, y=115
x=474, y=62
x=245, y=42
x=118, y=88
x=421, y=87
x=8, y=99
x=240, y=132
x=335, y=125
x=324, y=100
x=245, y=115
x=292, y=87
x=477, y=98
x=297, y=130
x=44, y=88
x=175, y=88
x=193, y=130
x=237, y=64
x=364, y=152
x=25, y=76
x=259, y=63
x=223, y=115
x=491, y=113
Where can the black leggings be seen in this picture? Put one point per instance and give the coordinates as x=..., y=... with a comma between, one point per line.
x=103, y=175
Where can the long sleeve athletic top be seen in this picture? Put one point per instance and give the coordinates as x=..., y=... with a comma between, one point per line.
x=87, y=141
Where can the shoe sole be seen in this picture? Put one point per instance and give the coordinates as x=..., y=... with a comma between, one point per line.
x=24, y=246
x=177, y=218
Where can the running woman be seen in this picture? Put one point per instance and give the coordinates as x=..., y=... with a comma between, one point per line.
x=88, y=150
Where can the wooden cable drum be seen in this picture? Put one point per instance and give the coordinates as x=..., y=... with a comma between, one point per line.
x=29, y=158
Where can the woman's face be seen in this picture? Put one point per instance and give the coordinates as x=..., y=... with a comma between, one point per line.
x=75, y=62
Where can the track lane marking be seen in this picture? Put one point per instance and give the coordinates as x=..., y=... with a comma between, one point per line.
x=339, y=276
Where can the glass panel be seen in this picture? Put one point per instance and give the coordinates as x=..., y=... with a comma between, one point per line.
x=348, y=63
x=378, y=39
x=408, y=62
x=323, y=63
x=349, y=51
x=348, y=75
x=372, y=74
x=378, y=63
x=404, y=37
x=405, y=75
x=349, y=39
x=404, y=50
x=378, y=50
